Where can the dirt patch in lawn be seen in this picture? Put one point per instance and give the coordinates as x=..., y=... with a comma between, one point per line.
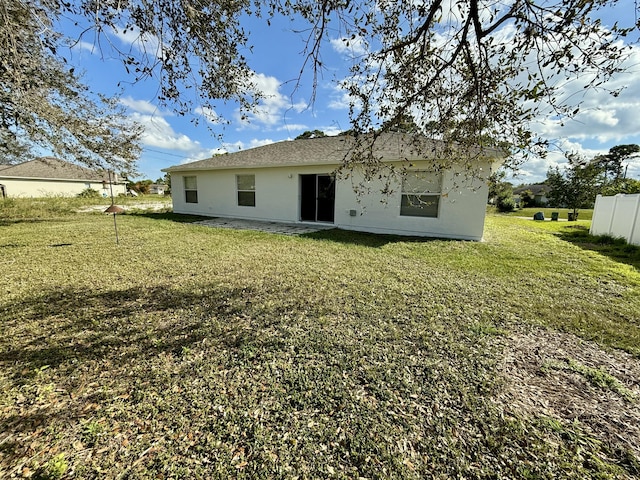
x=156, y=206
x=559, y=376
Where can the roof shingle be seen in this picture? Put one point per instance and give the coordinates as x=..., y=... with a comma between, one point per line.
x=52, y=168
x=319, y=151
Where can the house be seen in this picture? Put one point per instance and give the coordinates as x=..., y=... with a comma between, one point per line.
x=299, y=181
x=538, y=190
x=157, y=189
x=48, y=176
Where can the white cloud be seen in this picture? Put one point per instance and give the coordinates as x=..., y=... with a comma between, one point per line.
x=203, y=154
x=350, y=47
x=603, y=116
x=272, y=107
x=340, y=101
x=144, y=43
x=536, y=168
x=209, y=114
x=292, y=126
x=139, y=106
x=259, y=142
x=604, y=120
x=454, y=12
x=253, y=143
x=159, y=133
x=85, y=46
x=332, y=130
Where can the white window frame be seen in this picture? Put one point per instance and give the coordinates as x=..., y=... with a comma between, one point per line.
x=421, y=189
x=241, y=192
x=190, y=189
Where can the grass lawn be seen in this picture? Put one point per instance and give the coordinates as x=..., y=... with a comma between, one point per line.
x=583, y=213
x=195, y=352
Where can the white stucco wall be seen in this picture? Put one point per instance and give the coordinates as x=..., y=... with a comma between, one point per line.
x=17, y=187
x=461, y=210
x=276, y=194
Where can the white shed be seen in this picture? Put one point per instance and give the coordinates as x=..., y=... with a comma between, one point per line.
x=296, y=182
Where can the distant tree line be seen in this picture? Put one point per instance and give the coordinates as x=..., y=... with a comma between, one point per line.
x=143, y=187
x=576, y=185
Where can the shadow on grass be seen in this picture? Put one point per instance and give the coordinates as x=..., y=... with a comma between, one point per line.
x=6, y=222
x=350, y=237
x=363, y=239
x=170, y=216
x=81, y=340
x=62, y=327
x=615, y=248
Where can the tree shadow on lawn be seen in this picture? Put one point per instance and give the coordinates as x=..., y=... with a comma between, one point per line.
x=350, y=237
x=616, y=249
x=5, y=222
x=170, y=216
x=115, y=357
x=365, y=239
x=65, y=351
x=63, y=327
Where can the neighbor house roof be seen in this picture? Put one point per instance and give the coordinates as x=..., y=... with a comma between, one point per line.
x=51, y=168
x=321, y=151
x=536, y=189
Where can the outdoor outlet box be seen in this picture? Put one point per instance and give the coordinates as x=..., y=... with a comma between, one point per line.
x=352, y=213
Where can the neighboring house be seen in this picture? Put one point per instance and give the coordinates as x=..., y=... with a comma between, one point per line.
x=539, y=192
x=157, y=189
x=48, y=176
x=295, y=181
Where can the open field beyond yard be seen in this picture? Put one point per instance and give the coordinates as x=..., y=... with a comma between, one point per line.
x=563, y=213
x=196, y=352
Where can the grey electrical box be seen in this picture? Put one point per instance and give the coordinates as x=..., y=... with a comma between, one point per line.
x=352, y=213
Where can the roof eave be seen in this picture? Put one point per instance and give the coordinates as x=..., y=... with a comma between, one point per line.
x=183, y=168
x=83, y=180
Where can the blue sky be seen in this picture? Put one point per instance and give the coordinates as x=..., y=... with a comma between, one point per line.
x=276, y=60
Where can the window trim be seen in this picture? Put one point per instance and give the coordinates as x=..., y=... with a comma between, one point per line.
x=192, y=191
x=423, y=197
x=245, y=191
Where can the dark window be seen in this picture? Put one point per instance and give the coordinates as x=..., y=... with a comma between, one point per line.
x=419, y=205
x=190, y=189
x=246, y=190
x=421, y=194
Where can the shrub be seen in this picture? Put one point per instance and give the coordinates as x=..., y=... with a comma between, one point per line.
x=609, y=240
x=527, y=199
x=506, y=204
x=89, y=193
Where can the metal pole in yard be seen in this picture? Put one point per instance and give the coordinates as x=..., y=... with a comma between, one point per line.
x=110, y=186
x=115, y=227
x=114, y=209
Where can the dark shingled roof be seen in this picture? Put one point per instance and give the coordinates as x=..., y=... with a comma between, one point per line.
x=317, y=151
x=536, y=189
x=52, y=168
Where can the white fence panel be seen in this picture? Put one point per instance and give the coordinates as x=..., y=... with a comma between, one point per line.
x=602, y=215
x=618, y=216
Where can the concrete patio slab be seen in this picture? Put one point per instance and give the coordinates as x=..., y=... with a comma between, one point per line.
x=269, y=227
